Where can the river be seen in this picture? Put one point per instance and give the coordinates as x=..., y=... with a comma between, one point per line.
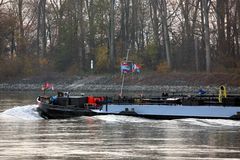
x=24, y=135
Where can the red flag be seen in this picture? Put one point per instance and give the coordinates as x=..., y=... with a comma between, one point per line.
x=47, y=85
x=137, y=68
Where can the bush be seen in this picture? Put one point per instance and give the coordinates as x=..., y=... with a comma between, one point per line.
x=163, y=67
x=226, y=64
x=74, y=69
x=151, y=56
x=23, y=66
x=30, y=66
x=102, y=59
x=10, y=68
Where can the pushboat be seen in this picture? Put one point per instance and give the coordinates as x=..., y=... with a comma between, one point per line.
x=65, y=106
x=166, y=106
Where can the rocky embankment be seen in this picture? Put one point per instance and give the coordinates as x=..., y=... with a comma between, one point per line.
x=151, y=82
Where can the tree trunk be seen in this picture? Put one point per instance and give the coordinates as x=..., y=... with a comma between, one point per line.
x=195, y=16
x=111, y=36
x=237, y=30
x=21, y=41
x=38, y=28
x=81, y=49
x=142, y=40
x=207, y=35
x=165, y=32
x=238, y=10
x=44, y=36
x=12, y=43
x=92, y=32
x=41, y=29
x=221, y=41
x=196, y=54
x=134, y=24
x=155, y=24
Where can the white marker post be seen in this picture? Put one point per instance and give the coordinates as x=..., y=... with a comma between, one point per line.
x=91, y=65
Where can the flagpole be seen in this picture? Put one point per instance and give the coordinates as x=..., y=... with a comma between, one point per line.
x=122, y=85
x=123, y=76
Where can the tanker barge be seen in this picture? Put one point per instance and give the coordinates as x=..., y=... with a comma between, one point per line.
x=166, y=106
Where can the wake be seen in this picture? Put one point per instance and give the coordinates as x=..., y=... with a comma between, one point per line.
x=219, y=123
x=27, y=112
x=122, y=119
x=188, y=121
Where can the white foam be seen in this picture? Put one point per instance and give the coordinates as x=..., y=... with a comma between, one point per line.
x=211, y=122
x=222, y=122
x=27, y=112
x=190, y=121
x=121, y=119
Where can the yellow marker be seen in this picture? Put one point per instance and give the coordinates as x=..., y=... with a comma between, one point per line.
x=222, y=93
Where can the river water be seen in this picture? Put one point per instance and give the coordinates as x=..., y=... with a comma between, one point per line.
x=24, y=135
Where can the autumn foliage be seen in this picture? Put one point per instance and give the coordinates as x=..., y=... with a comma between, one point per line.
x=163, y=36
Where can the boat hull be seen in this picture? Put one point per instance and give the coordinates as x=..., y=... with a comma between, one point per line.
x=153, y=111
x=172, y=111
x=49, y=111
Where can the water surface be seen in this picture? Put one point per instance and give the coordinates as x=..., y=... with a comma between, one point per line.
x=25, y=135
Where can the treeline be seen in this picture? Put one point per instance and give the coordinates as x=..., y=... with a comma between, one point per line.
x=162, y=35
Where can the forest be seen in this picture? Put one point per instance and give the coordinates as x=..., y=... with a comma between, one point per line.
x=38, y=36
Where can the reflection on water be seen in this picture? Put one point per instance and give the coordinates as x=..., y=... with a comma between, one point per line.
x=25, y=135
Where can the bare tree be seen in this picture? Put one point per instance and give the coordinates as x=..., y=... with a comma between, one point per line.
x=81, y=38
x=21, y=41
x=91, y=27
x=41, y=28
x=220, y=12
x=112, y=34
x=125, y=11
x=155, y=24
x=165, y=32
x=206, y=5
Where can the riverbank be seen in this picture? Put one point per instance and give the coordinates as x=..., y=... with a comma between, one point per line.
x=147, y=82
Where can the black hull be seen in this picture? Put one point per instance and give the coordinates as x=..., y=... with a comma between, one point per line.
x=49, y=111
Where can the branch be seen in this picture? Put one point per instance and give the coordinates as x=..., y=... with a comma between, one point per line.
x=3, y=3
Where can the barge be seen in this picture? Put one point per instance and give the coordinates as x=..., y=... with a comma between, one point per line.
x=164, y=107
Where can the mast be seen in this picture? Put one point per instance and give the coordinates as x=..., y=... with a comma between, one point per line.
x=123, y=75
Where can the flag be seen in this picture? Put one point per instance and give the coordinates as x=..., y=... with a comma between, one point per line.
x=47, y=85
x=137, y=68
x=130, y=67
x=126, y=67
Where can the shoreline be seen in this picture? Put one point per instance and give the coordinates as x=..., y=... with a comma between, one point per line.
x=147, y=82
x=182, y=89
